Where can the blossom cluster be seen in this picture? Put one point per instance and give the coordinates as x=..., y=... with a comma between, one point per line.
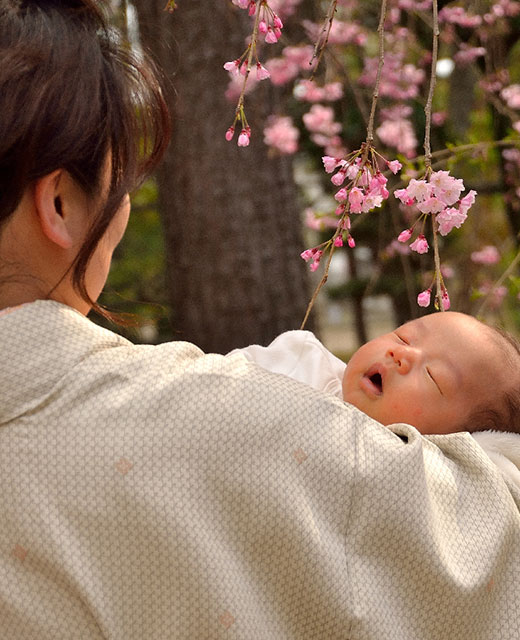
x=281, y=134
x=364, y=191
x=439, y=196
x=269, y=25
x=290, y=64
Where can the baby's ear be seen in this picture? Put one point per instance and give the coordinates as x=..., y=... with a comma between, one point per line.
x=49, y=201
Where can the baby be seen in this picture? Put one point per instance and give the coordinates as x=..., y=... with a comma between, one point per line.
x=442, y=373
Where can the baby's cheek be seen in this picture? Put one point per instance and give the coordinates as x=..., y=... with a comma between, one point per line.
x=406, y=412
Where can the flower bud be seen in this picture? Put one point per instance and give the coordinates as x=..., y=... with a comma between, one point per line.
x=423, y=299
x=405, y=235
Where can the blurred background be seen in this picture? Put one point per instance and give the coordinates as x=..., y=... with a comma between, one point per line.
x=212, y=251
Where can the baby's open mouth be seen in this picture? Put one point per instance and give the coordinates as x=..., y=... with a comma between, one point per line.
x=377, y=381
x=373, y=380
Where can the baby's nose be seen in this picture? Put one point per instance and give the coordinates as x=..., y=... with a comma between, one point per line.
x=403, y=357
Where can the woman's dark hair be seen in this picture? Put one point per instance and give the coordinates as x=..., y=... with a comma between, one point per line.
x=71, y=95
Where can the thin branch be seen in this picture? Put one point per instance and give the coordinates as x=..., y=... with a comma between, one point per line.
x=375, y=95
x=327, y=26
x=433, y=80
x=318, y=288
x=358, y=97
x=252, y=48
x=366, y=147
x=437, y=260
x=474, y=146
x=499, y=282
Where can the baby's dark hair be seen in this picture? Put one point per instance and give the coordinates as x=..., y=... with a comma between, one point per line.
x=504, y=414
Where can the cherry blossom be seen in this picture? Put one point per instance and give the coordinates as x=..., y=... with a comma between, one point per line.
x=487, y=255
x=281, y=134
x=365, y=191
x=405, y=235
x=420, y=244
x=423, y=299
x=449, y=219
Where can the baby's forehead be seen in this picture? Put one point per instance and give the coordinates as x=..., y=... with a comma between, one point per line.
x=459, y=334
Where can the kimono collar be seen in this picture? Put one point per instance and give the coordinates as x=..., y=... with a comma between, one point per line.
x=39, y=343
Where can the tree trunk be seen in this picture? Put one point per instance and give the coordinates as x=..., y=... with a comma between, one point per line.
x=231, y=218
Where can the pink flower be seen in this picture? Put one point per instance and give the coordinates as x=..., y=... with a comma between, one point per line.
x=330, y=163
x=420, y=244
x=338, y=178
x=338, y=241
x=320, y=119
x=431, y=205
x=230, y=133
x=487, y=255
x=446, y=304
x=270, y=37
x=439, y=118
x=450, y=218
x=351, y=242
x=496, y=295
x=394, y=166
x=281, y=134
x=423, y=299
x=243, y=138
x=371, y=201
x=404, y=196
x=277, y=23
x=341, y=195
x=233, y=66
x=261, y=72
x=355, y=198
x=446, y=187
x=319, y=222
x=317, y=257
x=511, y=95
x=467, y=201
x=262, y=26
x=400, y=135
x=405, y=235
x=340, y=210
x=419, y=189
x=307, y=254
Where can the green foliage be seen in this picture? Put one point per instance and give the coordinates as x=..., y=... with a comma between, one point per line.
x=136, y=281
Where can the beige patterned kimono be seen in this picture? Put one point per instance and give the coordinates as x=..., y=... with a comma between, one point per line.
x=157, y=493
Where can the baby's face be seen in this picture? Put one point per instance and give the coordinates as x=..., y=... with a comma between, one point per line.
x=430, y=373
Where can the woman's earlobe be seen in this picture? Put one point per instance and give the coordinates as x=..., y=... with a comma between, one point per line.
x=49, y=208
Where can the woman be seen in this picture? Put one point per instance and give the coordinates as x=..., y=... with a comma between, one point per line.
x=157, y=492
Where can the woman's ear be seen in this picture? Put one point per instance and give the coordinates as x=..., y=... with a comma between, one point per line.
x=50, y=195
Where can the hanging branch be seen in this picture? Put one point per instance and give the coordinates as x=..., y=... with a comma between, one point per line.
x=433, y=81
x=428, y=150
x=375, y=95
x=366, y=148
x=499, y=283
x=322, y=42
x=252, y=49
